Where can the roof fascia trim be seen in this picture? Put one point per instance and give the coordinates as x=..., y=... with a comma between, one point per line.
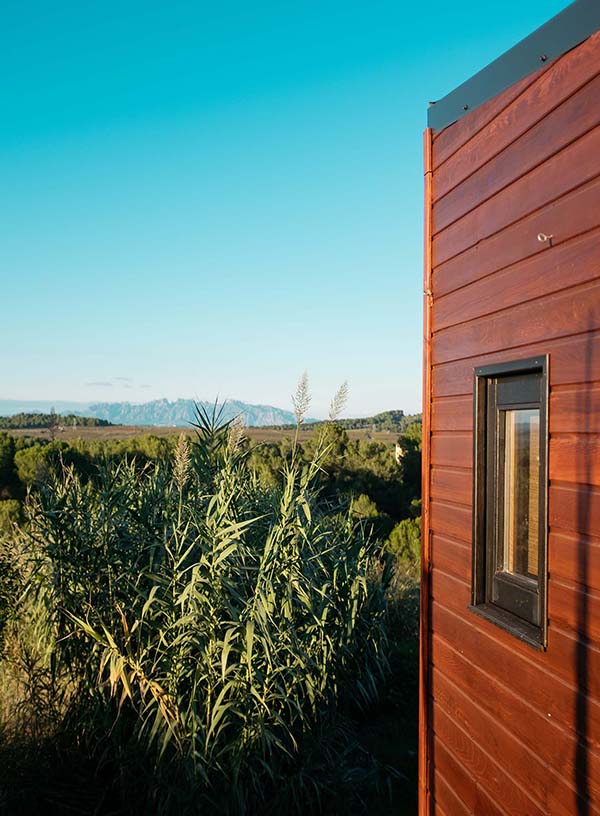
x=567, y=29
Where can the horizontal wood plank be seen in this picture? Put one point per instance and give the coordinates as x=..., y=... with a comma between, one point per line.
x=563, y=659
x=553, y=794
x=575, y=458
x=560, y=267
x=500, y=784
x=575, y=409
x=452, y=485
x=573, y=166
x=451, y=520
x=574, y=508
x=558, y=315
x=452, y=557
x=456, y=775
x=453, y=414
x=576, y=609
x=575, y=661
x=546, y=682
x=446, y=799
x=574, y=558
x=452, y=138
x=467, y=791
x=548, y=90
x=573, y=359
x=552, y=744
x=452, y=449
x=571, y=120
x=573, y=214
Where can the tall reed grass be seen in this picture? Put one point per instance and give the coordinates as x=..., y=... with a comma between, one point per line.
x=198, y=638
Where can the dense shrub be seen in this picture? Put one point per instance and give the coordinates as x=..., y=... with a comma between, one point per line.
x=405, y=540
x=11, y=513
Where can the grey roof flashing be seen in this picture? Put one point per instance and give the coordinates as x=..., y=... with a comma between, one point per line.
x=567, y=29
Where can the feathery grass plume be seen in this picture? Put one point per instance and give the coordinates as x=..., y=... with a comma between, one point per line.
x=301, y=399
x=236, y=433
x=339, y=401
x=182, y=461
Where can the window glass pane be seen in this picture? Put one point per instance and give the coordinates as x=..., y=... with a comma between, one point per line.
x=521, y=492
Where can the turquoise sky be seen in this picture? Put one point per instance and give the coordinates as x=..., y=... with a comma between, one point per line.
x=201, y=199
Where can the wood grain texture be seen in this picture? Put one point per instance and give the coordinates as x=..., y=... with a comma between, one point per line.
x=453, y=414
x=452, y=450
x=452, y=520
x=575, y=408
x=455, y=625
x=452, y=485
x=573, y=166
x=573, y=359
x=575, y=458
x=571, y=120
x=532, y=676
x=548, y=741
x=573, y=214
x=477, y=761
x=446, y=798
x=466, y=789
x=573, y=310
x=548, y=90
x=551, y=792
x=574, y=508
x=565, y=605
x=452, y=557
x=560, y=267
x=574, y=558
x=455, y=136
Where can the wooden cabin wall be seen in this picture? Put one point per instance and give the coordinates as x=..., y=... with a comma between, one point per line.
x=512, y=730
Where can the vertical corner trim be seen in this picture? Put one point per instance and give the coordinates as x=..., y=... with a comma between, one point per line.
x=424, y=729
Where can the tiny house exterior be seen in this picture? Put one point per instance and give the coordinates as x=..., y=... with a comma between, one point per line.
x=510, y=603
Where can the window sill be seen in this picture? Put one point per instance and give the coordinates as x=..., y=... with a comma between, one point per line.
x=527, y=632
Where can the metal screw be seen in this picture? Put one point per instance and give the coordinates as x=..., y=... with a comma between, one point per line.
x=465, y=107
x=543, y=238
x=543, y=58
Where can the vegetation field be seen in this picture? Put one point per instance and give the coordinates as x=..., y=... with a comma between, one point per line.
x=214, y=621
x=100, y=433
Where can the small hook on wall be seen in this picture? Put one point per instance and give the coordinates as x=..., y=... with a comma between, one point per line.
x=545, y=239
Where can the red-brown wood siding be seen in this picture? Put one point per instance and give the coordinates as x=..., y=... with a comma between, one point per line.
x=508, y=729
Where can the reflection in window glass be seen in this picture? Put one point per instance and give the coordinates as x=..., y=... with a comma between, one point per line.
x=521, y=492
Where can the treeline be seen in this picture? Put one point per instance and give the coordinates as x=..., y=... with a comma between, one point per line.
x=52, y=420
x=386, y=421
x=367, y=476
x=391, y=421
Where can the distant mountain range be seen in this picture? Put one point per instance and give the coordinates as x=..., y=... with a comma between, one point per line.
x=158, y=412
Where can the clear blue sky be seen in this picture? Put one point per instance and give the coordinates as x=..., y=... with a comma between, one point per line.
x=201, y=199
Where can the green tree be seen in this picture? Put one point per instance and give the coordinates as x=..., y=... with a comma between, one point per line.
x=405, y=540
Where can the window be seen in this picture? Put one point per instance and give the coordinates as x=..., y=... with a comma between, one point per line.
x=509, y=503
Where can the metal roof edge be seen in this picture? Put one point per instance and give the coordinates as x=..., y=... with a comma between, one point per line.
x=567, y=29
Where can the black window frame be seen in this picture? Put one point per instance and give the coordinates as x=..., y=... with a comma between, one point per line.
x=515, y=603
